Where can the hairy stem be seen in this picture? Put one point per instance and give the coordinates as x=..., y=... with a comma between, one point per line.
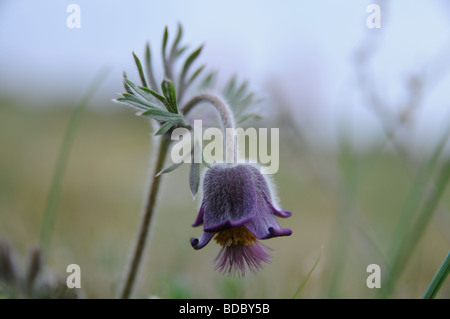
x=129, y=279
x=226, y=118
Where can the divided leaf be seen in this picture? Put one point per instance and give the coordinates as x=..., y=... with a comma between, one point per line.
x=187, y=64
x=165, y=127
x=168, y=89
x=133, y=100
x=170, y=168
x=141, y=72
x=163, y=115
x=149, y=68
x=194, y=178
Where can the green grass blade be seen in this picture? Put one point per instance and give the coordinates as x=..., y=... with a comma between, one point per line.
x=49, y=219
x=438, y=279
x=405, y=239
x=412, y=238
x=419, y=184
x=303, y=283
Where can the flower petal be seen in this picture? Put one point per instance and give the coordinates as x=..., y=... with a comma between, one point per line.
x=265, y=224
x=227, y=224
x=261, y=182
x=229, y=197
x=265, y=228
x=280, y=213
x=203, y=241
x=199, y=219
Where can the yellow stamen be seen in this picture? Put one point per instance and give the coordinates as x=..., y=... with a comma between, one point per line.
x=235, y=236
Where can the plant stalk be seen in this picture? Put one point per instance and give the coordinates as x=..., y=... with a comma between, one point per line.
x=438, y=279
x=128, y=282
x=227, y=120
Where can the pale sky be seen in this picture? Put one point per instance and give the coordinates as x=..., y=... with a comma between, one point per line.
x=303, y=50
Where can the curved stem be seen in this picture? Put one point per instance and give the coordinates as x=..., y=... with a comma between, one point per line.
x=129, y=279
x=226, y=118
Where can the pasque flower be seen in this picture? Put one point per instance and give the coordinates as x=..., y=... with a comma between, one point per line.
x=239, y=209
x=238, y=206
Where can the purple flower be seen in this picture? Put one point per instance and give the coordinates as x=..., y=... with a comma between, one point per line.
x=238, y=208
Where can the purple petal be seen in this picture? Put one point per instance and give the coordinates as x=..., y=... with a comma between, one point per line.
x=265, y=224
x=199, y=220
x=277, y=232
x=229, y=197
x=267, y=228
x=280, y=213
x=260, y=181
x=227, y=224
x=203, y=241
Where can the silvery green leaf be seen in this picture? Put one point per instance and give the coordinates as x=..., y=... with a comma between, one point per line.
x=241, y=90
x=194, y=75
x=141, y=72
x=187, y=64
x=205, y=162
x=125, y=84
x=180, y=51
x=132, y=103
x=170, y=168
x=167, y=64
x=149, y=68
x=229, y=88
x=170, y=94
x=194, y=178
x=146, y=96
x=246, y=102
x=247, y=116
x=135, y=101
x=166, y=126
x=156, y=95
x=174, y=50
x=164, y=43
x=208, y=81
x=162, y=115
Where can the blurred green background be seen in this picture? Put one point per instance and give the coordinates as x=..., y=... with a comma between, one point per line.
x=104, y=187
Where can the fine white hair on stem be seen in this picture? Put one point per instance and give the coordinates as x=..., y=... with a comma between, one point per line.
x=225, y=114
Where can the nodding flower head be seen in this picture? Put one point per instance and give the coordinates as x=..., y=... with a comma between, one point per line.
x=238, y=209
